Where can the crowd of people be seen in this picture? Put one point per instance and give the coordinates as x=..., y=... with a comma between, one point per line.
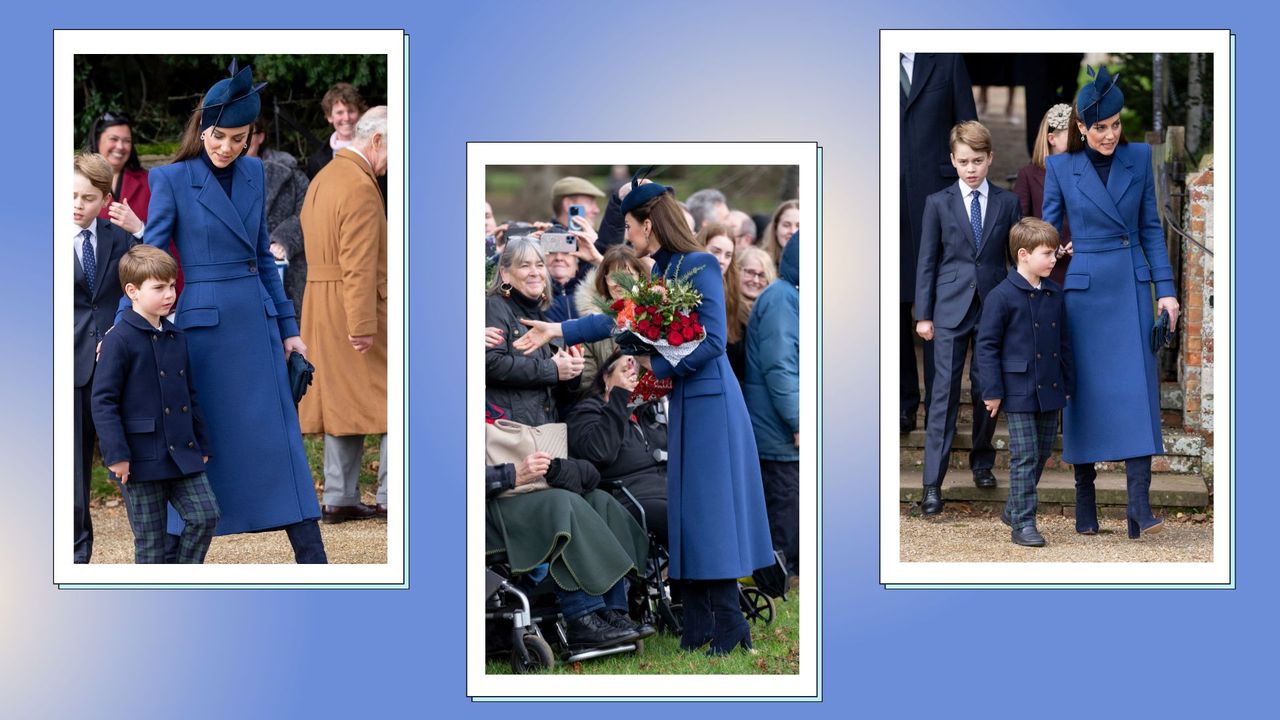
x=206, y=258
x=1047, y=293
x=712, y=467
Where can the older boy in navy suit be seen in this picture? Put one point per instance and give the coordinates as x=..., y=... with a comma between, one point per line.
x=148, y=422
x=963, y=253
x=99, y=246
x=1024, y=360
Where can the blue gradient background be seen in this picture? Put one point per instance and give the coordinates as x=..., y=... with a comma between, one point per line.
x=704, y=71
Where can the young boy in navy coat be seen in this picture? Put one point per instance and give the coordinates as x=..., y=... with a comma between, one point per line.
x=1024, y=361
x=964, y=246
x=99, y=245
x=149, y=425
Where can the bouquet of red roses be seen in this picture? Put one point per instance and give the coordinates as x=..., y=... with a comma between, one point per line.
x=656, y=315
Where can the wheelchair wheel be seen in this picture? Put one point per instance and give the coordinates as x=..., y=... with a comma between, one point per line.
x=540, y=656
x=668, y=617
x=756, y=605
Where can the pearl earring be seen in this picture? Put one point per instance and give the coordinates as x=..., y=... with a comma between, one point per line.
x=202, y=137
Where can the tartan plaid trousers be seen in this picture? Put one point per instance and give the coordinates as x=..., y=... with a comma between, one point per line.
x=1031, y=437
x=191, y=496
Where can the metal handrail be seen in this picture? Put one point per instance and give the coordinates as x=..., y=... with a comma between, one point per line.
x=1168, y=213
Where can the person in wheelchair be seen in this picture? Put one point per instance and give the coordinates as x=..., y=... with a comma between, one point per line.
x=605, y=430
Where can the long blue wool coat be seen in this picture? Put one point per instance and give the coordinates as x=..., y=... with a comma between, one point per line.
x=234, y=313
x=715, y=499
x=1119, y=254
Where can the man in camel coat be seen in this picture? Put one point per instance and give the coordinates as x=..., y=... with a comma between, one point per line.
x=344, y=318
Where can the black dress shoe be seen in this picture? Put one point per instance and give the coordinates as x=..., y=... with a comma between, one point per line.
x=932, y=502
x=1028, y=536
x=620, y=620
x=593, y=631
x=906, y=422
x=984, y=478
x=343, y=513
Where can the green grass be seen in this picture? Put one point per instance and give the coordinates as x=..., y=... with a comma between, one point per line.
x=777, y=652
x=104, y=489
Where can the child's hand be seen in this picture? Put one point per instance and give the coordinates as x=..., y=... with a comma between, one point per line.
x=121, y=469
x=993, y=406
x=204, y=459
x=924, y=329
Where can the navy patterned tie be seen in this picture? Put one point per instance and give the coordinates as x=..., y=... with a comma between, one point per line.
x=975, y=218
x=89, y=262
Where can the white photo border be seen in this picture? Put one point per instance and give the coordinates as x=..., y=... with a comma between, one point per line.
x=894, y=573
x=800, y=687
x=394, y=43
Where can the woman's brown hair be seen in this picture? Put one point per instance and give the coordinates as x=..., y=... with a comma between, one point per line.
x=617, y=257
x=734, y=314
x=669, y=225
x=191, y=145
x=770, y=241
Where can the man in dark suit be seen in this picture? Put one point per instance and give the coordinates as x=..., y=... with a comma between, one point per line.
x=99, y=245
x=935, y=95
x=964, y=250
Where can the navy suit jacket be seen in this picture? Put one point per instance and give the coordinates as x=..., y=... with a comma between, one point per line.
x=951, y=270
x=941, y=96
x=1023, y=351
x=94, y=312
x=143, y=403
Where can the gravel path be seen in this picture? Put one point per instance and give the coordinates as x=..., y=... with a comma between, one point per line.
x=359, y=541
x=958, y=536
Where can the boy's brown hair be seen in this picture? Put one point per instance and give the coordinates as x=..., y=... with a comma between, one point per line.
x=1030, y=234
x=146, y=262
x=95, y=169
x=971, y=133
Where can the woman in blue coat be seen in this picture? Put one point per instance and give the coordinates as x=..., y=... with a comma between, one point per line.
x=239, y=325
x=717, y=526
x=1104, y=188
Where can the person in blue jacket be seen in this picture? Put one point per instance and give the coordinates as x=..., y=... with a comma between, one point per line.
x=1103, y=187
x=240, y=326
x=718, y=529
x=772, y=392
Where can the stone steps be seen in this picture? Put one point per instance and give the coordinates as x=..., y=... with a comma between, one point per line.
x=1183, y=451
x=1058, y=487
x=1170, y=406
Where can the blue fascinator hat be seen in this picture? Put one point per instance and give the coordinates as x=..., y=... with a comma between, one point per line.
x=641, y=194
x=1101, y=98
x=233, y=101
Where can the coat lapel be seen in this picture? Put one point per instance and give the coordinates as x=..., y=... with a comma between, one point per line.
x=994, y=197
x=212, y=197
x=921, y=69
x=1121, y=175
x=79, y=272
x=956, y=201
x=246, y=202
x=103, y=253
x=352, y=157
x=1091, y=187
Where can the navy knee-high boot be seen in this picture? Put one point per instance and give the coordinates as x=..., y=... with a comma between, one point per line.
x=731, y=628
x=696, y=620
x=1086, y=499
x=1140, y=519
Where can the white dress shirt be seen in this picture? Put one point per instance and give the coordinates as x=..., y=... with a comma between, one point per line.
x=909, y=64
x=79, y=241
x=966, y=196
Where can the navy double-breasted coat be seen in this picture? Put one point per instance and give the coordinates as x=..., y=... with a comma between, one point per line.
x=716, y=516
x=1023, y=351
x=143, y=405
x=1119, y=254
x=234, y=313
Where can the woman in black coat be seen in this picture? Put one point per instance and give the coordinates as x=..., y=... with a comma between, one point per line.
x=603, y=429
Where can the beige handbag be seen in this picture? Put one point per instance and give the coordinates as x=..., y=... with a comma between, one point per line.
x=506, y=441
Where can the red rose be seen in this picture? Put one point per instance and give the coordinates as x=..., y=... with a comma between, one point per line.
x=688, y=333
x=642, y=325
x=618, y=304
x=653, y=333
x=675, y=338
x=694, y=316
x=697, y=329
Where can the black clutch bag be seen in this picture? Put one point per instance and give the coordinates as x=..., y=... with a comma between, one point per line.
x=1161, y=337
x=300, y=372
x=629, y=344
